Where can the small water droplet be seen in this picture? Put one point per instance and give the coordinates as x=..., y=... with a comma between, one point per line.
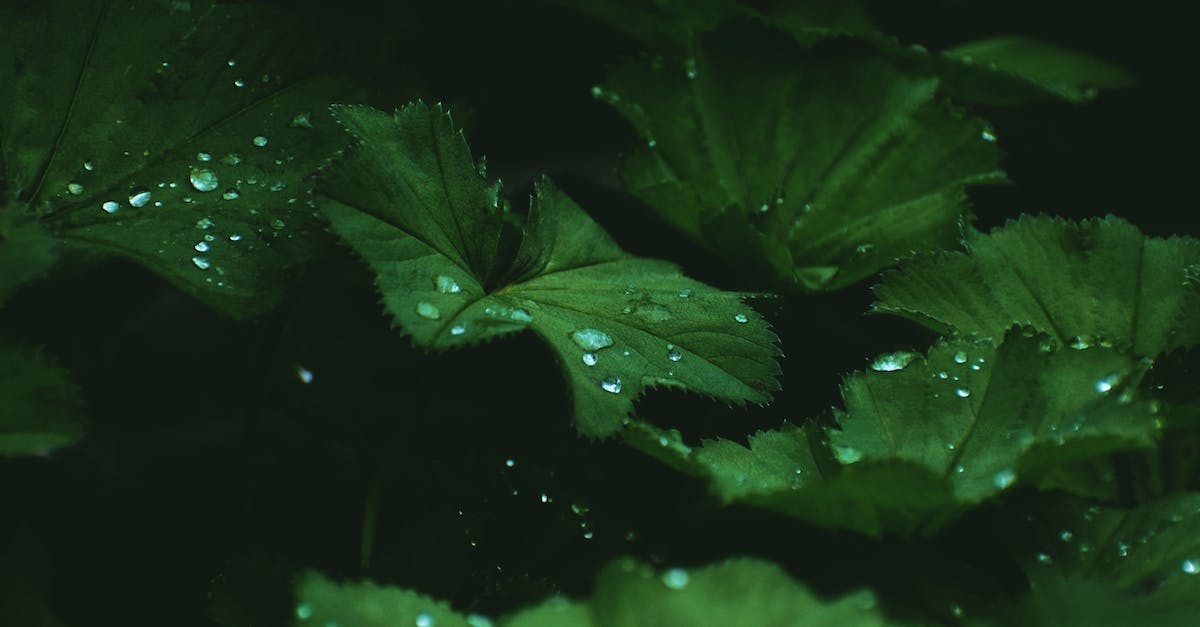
x=425, y=619
x=1004, y=479
x=300, y=120
x=446, y=284
x=239, y=83
x=956, y=611
x=428, y=310
x=847, y=454
x=1122, y=549
x=960, y=357
x=201, y=247
x=988, y=135
x=510, y=462
x=611, y=384
x=259, y=140
x=962, y=392
x=689, y=68
x=1190, y=566
x=203, y=156
x=232, y=158
x=1066, y=535
x=1107, y=383
x=201, y=262
x=597, y=91
x=741, y=318
x=139, y=197
x=231, y=194
x=591, y=339
x=204, y=223
x=685, y=293
x=204, y=180
x=74, y=188
x=231, y=63
x=651, y=143
x=1080, y=342
x=89, y=166
x=458, y=329
x=110, y=206
x=304, y=611
x=235, y=237
x=675, y=578
x=304, y=374
x=589, y=359
x=1043, y=558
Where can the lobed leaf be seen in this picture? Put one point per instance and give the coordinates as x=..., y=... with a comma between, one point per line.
x=809, y=167
x=1096, y=280
x=409, y=200
x=176, y=135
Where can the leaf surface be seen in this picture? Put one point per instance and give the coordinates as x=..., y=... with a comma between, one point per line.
x=803, y=166
x=410, y=201
x=178, y=135
x=40, y=409
x=1096, y=280
x=27, y=251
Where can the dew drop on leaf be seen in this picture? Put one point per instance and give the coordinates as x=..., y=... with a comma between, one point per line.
x=231, y=194
x=741, y=318
x=988, y=135
x=428, y=310
x=235, y=237
x=259, y=140
x=960, y=357
x=1190, y=566
x=300, y=120
x=204, y=180
x=446, y=284
x=304, y=374
x=1004, y=479
x=589, y=359
x=458, y=329
x=521, y=315
x=675, y=578
x=201, y=247
x=591, y=339
x=232, y=158
x=89, y=166
x=685, y=293
x=203, y=156
x=425, y=619
x=110, y=206
x=674, y=354
x=891, y=362
x=74, y=188
x=139, y=197
x=304, y=611
x=611, y=384
x=201, y=262
x=239, y=83
x=962, y=392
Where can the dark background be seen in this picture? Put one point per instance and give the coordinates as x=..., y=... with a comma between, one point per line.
x=210, y=473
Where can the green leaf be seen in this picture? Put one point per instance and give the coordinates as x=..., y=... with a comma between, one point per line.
x=1096, y=280
x=178, y=135
x=803, y=166
x=410, y=201
x=922, y=439
x=627, y=594
x=27, y=251
x=40, y=409
x=1151, y=551
x=1008, y=70
x=1076, y=603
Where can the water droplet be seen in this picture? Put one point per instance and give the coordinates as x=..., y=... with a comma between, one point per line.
x=203, y=156
x=962, y=392
x=425, y=619
x=956, y=611
x=545, y=498
x=204, y=180
x=893, y=361
x=611, y=384
x=428, y=310
x=651, y=143
x=139, y=197
x=232, y=158
x=300, y=120
x=510, y=462
x=304, y=611
x=1122, y=549
x=201, y=247
x=1065, y=535
x=741, y=318
x=89, y=166
x=689, y=68
x=597, y=91
x=673, y=354
x=847, y=454
x=521, y=315
x=943, y=375
x=231, y=63
x=988, y=135
x=235, y=237
x=304, y=374
x=589, y=359
x=204, y=223
x=231, y=194
x=1107, y=383
x=960, y=469
x=74, y=188
x=1043, y=558
x=675, y=579
x=1080, y=342
x=685, y=293
x=239, y=83
x=478, y=620
x=960, y=357
x=458, y=329
x=591, y=339
x=259, y=140
x=110, y=206
x=201, y=262
x=1190, y=566
x=1004, y=479
x=446, y=284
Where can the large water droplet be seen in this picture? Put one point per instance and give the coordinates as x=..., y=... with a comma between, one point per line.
x=591, y=339
x=74, y=188
x=589, y=359
x=611, y=384
x=891, y=362
x=673, y=353
x=428, y=310
x=110, y=206
x=675, y=578
x=201, y=262
x=446, y=284
x=139, y=197
x=204, y=180
x=259, y=140
x=741, y=318
x=1004, y=479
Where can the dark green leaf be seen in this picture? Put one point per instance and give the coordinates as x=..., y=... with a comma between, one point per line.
x=809, y=166
x=179, y=135
x=1087, y=282
x=409, y=200
x=40, y=409
x=27, y=250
